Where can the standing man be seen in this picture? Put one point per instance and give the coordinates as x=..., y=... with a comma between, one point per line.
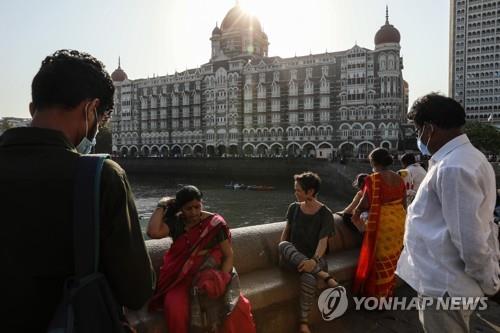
x=450, y=244
x=72, y=95
x=413, y=174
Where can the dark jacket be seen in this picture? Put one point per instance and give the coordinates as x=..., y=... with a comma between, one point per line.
x=37, y=176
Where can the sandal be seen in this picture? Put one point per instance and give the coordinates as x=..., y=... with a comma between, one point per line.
x=328, y=278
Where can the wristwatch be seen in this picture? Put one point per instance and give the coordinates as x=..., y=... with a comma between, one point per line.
x=316, y=258
x=161, y=205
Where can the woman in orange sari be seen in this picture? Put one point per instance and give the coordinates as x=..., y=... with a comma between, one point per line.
x=384, y=197
x=198, y=288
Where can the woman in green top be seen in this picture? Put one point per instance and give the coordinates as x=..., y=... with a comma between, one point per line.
x=304, y=241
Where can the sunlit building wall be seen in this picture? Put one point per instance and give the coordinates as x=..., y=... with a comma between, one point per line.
x=244, y=102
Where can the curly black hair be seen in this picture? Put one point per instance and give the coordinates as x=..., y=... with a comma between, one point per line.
x=439, y=110
x=68, y=77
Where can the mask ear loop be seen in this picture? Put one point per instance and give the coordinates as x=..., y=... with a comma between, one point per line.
x=86, y=121
x=430, y=135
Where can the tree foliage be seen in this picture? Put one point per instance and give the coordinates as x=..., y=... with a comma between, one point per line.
x=483, y=136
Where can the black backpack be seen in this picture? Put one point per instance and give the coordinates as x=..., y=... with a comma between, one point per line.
x=87, y=304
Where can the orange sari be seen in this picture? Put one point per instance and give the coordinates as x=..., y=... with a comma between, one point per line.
x=383, y=238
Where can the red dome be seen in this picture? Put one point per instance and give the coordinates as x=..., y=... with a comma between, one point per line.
x=119, y=74
x=387, y=33
x=238, y=19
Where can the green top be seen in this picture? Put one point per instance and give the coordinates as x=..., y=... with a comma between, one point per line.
x=37, y=170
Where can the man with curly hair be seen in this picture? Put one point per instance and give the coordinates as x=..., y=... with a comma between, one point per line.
x=72, y=95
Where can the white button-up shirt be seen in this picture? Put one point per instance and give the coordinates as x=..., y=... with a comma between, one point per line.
x=451, y=241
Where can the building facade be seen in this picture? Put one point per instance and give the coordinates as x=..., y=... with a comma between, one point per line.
x=246, y=103
x=475, y=58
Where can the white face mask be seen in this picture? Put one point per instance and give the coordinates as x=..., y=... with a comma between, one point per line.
x=85, y=146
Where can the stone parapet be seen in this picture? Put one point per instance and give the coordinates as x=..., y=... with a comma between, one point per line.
x=272, y=291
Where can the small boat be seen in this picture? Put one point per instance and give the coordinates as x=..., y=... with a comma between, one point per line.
x=235, y=186
x=260, y=188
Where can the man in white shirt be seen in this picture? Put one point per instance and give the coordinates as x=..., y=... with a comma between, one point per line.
x=451, y=242
x=413, y=176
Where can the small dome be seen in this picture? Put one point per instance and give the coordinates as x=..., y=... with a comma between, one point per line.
x=387, y=33
x=119, y=74
x=405, y=84
x=238, y=19
x=216, y=30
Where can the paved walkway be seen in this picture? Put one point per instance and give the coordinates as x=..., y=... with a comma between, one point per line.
x=403, y=321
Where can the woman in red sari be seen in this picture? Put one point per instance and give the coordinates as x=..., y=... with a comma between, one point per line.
x=197, y=287
x=384, y=197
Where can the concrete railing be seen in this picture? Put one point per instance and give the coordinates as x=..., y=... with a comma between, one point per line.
x=272, y=291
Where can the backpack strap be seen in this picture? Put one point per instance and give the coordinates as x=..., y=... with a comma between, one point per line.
x=86, y=213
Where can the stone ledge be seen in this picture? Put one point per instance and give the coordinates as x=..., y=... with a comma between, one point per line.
x=272, y=291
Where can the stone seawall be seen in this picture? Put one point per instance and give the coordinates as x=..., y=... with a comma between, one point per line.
x=334, y=175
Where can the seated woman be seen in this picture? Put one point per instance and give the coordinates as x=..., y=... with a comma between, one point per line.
x=358, y=184
x=304, y=241
x=197, y=287
x=384, y=197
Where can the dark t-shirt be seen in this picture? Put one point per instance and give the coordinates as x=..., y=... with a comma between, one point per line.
x=306, y=230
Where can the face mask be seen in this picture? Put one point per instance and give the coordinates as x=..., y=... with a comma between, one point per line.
x=85, y=146
x=423, y=147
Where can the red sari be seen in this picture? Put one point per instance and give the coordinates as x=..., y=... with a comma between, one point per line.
x=181, y=264
x=382, y=240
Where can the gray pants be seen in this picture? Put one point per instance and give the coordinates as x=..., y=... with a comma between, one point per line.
x=433, y=320
x=291, y=258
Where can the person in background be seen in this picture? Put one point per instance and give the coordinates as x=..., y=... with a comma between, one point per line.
x=384, y=197
x=451, y=242
x=304, y=241
x=412, y=173
x=197, y=269
x=346, y=214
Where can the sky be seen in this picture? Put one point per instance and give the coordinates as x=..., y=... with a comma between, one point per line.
x=158, y=37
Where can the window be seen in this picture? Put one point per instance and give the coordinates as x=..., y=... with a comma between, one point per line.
x=276, y=76
x=261, y=119
x=293, y=74
x=293, y=118
x=275, y=118
x=324, y=71
x=293, y=103
x=248, y=107
x=325, y=102
x=275, y=106
x=324, y=116
x=293, y=89
x=309, y=72
x=308, y=117
x=247, y=120
x=261, y=106
x=308, y=102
